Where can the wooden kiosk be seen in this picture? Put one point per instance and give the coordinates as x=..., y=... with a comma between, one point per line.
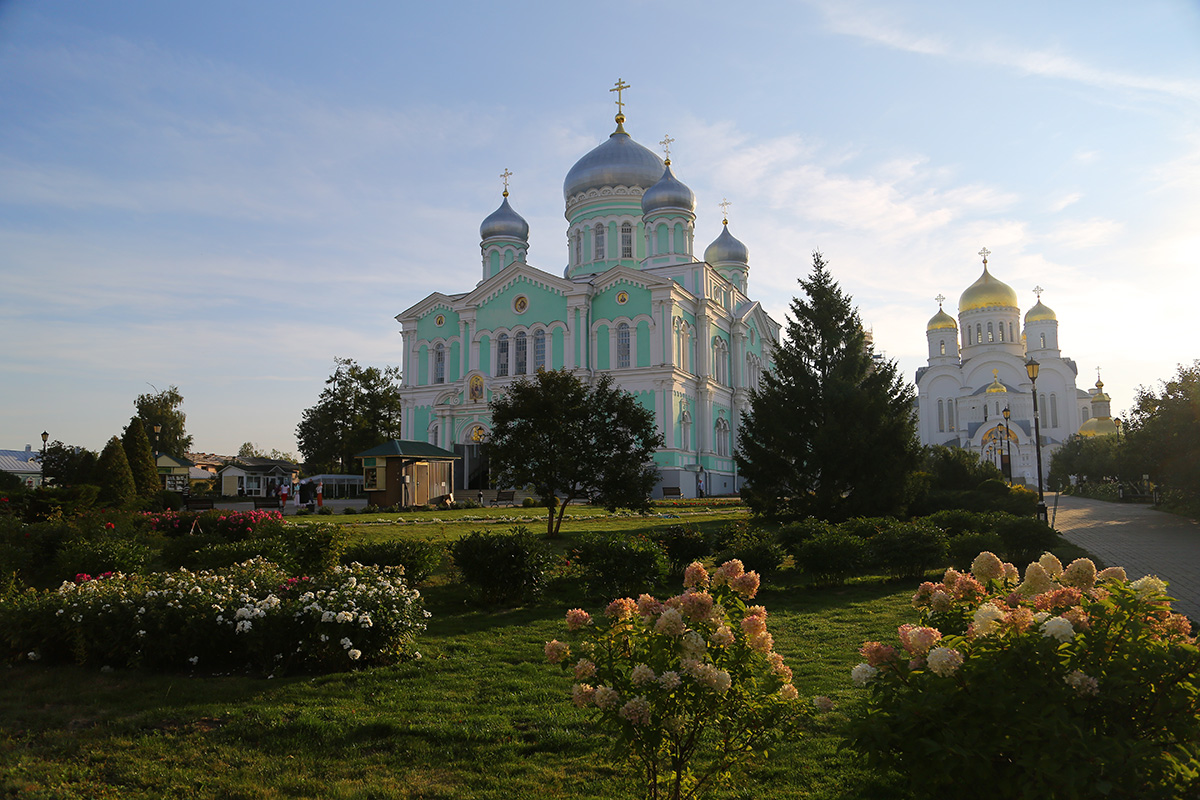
x=407, y=473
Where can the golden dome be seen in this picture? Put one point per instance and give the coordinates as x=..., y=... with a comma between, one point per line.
x=997, y=386
x=987, y=292
x=941, y=320
x=1098, y=426
x=1040, y=313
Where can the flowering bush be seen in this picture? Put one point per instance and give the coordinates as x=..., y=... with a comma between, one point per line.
x=690, y=686
x=1069, y=683
x=248, y=615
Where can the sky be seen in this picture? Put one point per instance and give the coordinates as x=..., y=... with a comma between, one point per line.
x=227, y=196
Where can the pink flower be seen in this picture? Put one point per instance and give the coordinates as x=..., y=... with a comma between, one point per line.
x=556, y=651
x=636, y=711
x=670, y=622
x=697, y=605
x=695, y=575
x=728, y=572
x=788, y=692
x=669, y=680
x=944, y=661
x=642, y=674
x=877, y=654
x=822, y=704
x=762, y=642
x=577, y=618
x=987, y=567
x=722, y=636
x=746, y=584
x=584, y=669
x=606, y=698
x=918, y=640
x=621, y=608
x=753, y=625
x=648, y=607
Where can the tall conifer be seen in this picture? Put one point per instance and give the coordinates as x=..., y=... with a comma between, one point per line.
x=831, y=431
x=141, y=458
x=117, y=488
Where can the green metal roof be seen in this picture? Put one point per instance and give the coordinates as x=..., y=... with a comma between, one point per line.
x=407, y=449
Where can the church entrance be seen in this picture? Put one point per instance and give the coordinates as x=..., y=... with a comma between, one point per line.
x=473, y=473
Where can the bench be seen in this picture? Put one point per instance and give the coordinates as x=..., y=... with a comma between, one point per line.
x=199, y=503
x=672, y=491
x=266, y=502
x=506, y=496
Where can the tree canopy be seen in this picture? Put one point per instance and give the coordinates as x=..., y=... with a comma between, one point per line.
x=141, y=458
x=358, y=409
x=1164, y=431
x=65, y=465
x=831, y=431
x=117, y=488
x=165, y=409
x=569, y=440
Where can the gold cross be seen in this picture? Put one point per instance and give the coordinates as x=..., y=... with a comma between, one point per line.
x=941, y=298
x=505, y=176
x=985, y=253
x=1038, y=291
x=666, y=143
x=619, y=87
x=725, y=204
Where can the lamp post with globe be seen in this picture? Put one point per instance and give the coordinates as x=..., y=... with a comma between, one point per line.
x=1032, y=367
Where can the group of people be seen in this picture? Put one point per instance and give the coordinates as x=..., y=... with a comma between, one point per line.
x=301, y=493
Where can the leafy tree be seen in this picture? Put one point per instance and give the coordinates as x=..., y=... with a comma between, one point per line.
x=1091, y=459
x=165, y=409
x=252, y=450
x=65, y=465
x=569, y=440
x=358, y=409
x=117, y=488
x=831, y=431
x=1164, y=431
x=141, y=459
x=956, y=468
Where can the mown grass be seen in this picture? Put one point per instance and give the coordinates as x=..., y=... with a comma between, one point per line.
x=480, y=715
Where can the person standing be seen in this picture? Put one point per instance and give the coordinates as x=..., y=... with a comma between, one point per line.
x=283, y=493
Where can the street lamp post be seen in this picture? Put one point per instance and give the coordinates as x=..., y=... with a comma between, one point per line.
x=45, y=437
x=1008, y=442
x=157, y=431
x=1032, y=367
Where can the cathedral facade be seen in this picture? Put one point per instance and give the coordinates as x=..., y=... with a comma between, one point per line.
x=977, y=371
x=679, y=333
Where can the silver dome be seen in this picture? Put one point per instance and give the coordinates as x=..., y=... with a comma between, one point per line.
x=504, y=222
x=669, y=192
x=620, y=161
x=727, y=249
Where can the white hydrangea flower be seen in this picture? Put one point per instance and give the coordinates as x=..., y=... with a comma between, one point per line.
x=863, y=674
x=1058, y=628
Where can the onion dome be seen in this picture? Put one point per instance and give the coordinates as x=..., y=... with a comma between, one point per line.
x=987, y=292
x=504, y=222
x=996, y=386
x=669, y=192
x=1100, y=396
x=620, y=161
x=727, y=249
x=1098, y=426
x=941, y=320
x=1040, y=313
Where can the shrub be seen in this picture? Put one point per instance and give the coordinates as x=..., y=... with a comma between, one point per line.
x=831, y=557
x=907, y=550
x=418, y=557
x=689, y=688
x=964, y=547
x=683, y=544
x=1061, y=687
x=502, y=567
x=1025, y=538
x=166, y=500
x=754, y=547
x=867, y=527
x=609, y=564
x=794, y=534
x=955, y=521
x=349, y=510
x=100, y=555
x=247, y=615
x=325, y=511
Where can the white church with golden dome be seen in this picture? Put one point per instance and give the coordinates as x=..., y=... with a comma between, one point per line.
x=977, y=372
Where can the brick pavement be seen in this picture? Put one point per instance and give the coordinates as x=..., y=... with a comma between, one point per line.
x=1139, y=538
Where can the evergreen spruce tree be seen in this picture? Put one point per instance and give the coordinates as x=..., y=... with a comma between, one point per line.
x=141, y=458
x=831, y=431
x=117, y=488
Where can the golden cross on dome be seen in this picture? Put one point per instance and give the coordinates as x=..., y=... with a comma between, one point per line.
x=985, y=253
x=619, y=87
x=505, y=176
x=666, y=143
x=1038, y=291
x=725, y=204
x=941, y=298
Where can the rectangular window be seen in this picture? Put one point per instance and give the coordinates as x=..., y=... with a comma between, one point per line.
x=599, y=242
x=626, y=241
x=521, y=353
x=623, y=346
x=539, y=350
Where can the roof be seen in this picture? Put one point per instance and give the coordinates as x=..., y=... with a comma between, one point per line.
x=179, y=462
x=408, y=449
x=9, y=463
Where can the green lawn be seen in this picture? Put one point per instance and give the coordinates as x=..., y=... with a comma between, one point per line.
x=480, y=715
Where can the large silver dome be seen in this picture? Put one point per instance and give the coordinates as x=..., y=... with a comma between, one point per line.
x=620, y=161
x=669, y=192
x=727, y=249
x=504, y=222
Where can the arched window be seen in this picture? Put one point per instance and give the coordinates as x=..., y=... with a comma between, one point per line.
x=991, y=338
x=1043, y=336
x=1011, y=338
x=502, y=355
x=578, y=247
x=626, y=241
x=439, y=363
x=985, y=412
x=539, y=349
x=599, y=242
x=950, y=414
x=1002, y=331
x=1042, y=405
x=942, y=346
x=521, y=360
x=1083, y=412
x=623, y=346
x=721, y=437
x=1053, y=411
x=433, y=434
x=685, y=430
x=978, y=333
x=941, y=417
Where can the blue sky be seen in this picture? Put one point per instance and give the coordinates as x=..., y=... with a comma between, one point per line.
x=226, y=196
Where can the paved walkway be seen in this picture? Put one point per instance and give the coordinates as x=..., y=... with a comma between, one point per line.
x=1140, y=539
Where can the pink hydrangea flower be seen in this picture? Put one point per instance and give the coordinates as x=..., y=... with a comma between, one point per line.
x=697, y=606
x=671, y=623
x=822, y=703
x=556, y=651
x=648, y=607
x=918, y=640
x=578, y=618
x=669, y=680
x=877, y=654
x=584, y=669
x=944, y=661
x=695, y=575
x=987, y=567
x=753, y=625
x=761, y=642
x=582, y=695
x=607, y=698
x=722, y=636
x=746, y=584
x=788, y=692
x=642, y=674
x=636, y=711
x=621, y=608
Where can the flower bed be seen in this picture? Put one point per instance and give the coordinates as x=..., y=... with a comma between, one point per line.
x=1068, y=683
x=252, y=615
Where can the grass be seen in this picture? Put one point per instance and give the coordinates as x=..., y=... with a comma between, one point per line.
x=480, y=715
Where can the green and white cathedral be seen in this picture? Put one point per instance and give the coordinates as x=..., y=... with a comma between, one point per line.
x=680, y=334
